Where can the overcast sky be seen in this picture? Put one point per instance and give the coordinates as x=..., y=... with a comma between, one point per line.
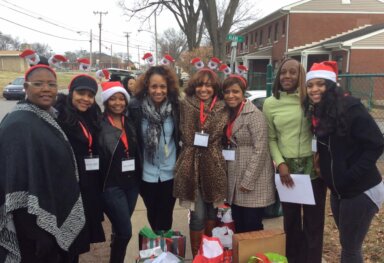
x=66, y=25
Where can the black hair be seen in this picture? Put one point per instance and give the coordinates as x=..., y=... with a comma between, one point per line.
x=330, y=111
x=68, y=114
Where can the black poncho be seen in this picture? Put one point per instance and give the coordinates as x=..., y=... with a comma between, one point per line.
x=37, y=172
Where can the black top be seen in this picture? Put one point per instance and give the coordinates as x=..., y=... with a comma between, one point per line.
x=348, y=163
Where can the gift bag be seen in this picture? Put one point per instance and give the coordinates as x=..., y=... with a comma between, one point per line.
x=224, y=234
x=224, y=216
x=267, y=258
x=164, y=257
x=211, y=251
x=172, y=241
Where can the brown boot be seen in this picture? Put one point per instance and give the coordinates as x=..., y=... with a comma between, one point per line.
x=209, y=225
x=195, y=237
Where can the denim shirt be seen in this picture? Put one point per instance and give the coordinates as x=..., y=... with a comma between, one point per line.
x=161, y=169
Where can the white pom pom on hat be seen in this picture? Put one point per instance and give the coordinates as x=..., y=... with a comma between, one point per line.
x=112, y=87
x=323, y=70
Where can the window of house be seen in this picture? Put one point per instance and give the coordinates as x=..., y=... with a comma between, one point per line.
x=256, y=37
x=251, y=38
x=276, y=31
x=269, y=33
x=261, y=37
x=246, y=42
x=283, y=28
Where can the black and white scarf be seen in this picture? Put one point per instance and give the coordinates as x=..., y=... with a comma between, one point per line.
x=64, y=221
x=155, y=117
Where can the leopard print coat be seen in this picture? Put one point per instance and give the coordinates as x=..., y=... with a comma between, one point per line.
x=201, y=167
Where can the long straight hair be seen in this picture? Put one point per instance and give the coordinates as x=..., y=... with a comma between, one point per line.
x=301, y=88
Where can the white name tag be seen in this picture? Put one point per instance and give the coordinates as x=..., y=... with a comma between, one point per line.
x=229, y=155
x=201, y=139
x=128, y=165
x=314, y=145
x=91, y=163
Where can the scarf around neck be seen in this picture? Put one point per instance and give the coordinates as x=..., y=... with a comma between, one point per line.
x=155, y=117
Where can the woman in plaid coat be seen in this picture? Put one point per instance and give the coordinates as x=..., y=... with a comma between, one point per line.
x=250, y=168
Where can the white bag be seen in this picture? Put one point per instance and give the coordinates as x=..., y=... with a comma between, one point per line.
x=225, y=235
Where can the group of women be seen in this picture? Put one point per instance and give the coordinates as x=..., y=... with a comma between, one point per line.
x=65, y=162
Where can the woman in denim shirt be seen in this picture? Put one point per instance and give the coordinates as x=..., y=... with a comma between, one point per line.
x=156, y=113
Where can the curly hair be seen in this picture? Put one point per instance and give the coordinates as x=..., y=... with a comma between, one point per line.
x=330, y=111
x=142, y=83
x=300, y=83
x=198, y=80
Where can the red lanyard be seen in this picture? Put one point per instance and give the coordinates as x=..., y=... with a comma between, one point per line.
x=87, y=135
x=230, y=124
x=123, y=137
x=203, y=117
x=315, y=121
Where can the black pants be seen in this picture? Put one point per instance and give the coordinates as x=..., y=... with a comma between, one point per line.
x=304, y=227
x=247, y=218
x=159, y=202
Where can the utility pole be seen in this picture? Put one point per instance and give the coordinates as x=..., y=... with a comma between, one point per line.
x=127, y=36
x=156, y=38
x=90, y=49
x=100, y=24
x=111, y=57
x=138, y=55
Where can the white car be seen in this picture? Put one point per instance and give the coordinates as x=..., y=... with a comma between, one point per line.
x=255, y=94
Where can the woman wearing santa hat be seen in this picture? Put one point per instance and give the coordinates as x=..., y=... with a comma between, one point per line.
x=200, y=172
x=79, y=116
x=41, y=211
x=119, y=165
x=156, y=111
x=349, y=143
x=290, y=140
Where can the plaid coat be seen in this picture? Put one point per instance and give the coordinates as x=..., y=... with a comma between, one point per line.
x=253, y=167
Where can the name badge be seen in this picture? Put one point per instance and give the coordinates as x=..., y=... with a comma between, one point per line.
x=127, y=165
x=91, y=163
x=229, y=155
x=314, y=145
x=201, y=139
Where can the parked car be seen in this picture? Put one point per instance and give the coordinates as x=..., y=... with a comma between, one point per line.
x=15, y=89
x=257, y=97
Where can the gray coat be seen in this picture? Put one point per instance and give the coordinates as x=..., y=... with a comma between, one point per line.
x=253, y=167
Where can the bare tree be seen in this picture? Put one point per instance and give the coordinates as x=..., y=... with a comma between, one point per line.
x=41, y=49
x=172, y=43
x=186, y=12
x=216, y=30
x=6, y=42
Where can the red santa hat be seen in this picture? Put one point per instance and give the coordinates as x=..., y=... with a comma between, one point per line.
x=323, y=70
x=112, y=87
x=102, y=73
x=198, y=63
x=241, y=70
x=167, y=60
x=148, y=57
x=214, y=63
x=225, y=69
x=84, y=63
x=31, y=56
x=56, y=60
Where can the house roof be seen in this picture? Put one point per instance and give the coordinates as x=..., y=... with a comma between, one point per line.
x=319, y=6
x=354, y=34
x=9, y=53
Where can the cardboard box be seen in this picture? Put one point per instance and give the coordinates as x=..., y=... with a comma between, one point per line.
x=250, y=243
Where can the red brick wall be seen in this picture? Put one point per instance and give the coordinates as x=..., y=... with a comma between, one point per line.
x=367, y=61
x=308, y=28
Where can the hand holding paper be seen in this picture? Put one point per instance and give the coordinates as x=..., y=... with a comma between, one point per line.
x=300, y=193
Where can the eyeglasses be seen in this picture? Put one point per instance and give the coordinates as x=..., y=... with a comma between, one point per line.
x=39, y=84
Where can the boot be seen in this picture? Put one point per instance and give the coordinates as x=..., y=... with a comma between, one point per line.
x=118, y=249
x=195, y=237
x=209, y=226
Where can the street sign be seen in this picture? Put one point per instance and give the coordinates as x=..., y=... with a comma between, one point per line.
x=235, y=38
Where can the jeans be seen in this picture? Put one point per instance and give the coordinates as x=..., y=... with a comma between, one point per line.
x=159, y=201
x=119, y=204
x=304, y=227
x=203, y=212
x=247, y=218
x=353, y=217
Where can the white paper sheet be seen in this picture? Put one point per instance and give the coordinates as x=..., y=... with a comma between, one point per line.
x=301, y=193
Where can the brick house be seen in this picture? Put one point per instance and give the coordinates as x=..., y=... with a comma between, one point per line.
x=348, y=31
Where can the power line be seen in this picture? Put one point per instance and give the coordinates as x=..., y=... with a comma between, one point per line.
x=41, y=32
